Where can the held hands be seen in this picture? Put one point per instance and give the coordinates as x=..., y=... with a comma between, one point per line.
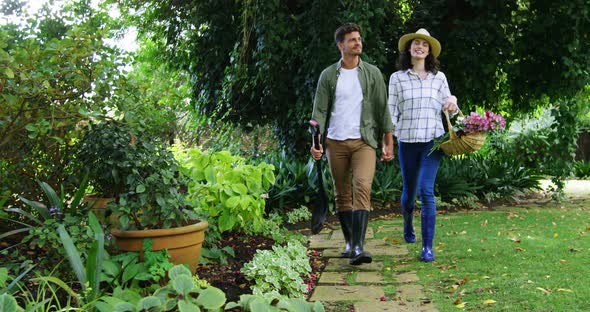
x=387, y=152
x=387, y=149
x=451, y=104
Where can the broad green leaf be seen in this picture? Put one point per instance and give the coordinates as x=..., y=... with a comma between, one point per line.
x=178, y=270
x=110, y=268
x=9, y=73
x=183, y=284
x=8, y=303
x=185, y=306
x=150, y=303
x=233, y=202
x=140, y=188
x=240, y=189
x=211, y=298
x=124, y=307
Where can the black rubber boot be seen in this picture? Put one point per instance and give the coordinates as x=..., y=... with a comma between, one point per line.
x=360, y=219
x=346, y=225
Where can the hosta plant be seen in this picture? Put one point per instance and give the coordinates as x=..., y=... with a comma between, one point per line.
x=278, y=273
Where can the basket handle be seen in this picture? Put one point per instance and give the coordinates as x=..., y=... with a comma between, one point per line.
x=452, y=134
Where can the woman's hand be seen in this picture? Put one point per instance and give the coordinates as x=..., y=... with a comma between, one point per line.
x=451, y=104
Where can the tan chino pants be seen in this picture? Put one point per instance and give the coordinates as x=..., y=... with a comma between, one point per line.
x=352, y=164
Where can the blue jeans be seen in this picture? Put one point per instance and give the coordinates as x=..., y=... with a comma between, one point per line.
x=418, y=174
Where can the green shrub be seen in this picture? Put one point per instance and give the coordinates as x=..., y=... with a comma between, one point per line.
x=226, y=189
x=582, y=169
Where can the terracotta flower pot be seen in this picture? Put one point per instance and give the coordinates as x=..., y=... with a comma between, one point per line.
x=183, y=243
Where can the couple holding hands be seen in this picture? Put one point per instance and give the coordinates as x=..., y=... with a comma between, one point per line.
x=355, y=111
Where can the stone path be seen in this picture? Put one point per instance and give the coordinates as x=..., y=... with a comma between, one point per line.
x=365, y=287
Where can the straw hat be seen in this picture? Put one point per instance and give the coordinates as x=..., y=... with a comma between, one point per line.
x=422, y=34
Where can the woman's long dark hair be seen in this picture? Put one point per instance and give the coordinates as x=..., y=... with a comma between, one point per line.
x=405, y=60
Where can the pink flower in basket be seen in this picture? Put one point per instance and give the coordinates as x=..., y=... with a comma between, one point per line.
x=478, y=123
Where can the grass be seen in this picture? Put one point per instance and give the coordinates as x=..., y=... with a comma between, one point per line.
x=510, y=259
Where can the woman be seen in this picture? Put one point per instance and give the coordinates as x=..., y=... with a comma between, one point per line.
x=418, y=93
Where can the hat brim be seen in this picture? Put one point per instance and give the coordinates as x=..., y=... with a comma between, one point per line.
x=434, y=44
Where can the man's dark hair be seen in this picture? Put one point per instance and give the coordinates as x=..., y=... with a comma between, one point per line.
x=404, y=61
x=345, y=29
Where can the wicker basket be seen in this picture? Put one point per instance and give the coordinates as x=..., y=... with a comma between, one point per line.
x=466, y=144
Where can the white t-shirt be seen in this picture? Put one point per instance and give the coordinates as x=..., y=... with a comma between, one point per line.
x=345, y=120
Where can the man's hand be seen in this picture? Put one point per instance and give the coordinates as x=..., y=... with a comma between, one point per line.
x=451, y=104
x=387, y=149
x=316, y=153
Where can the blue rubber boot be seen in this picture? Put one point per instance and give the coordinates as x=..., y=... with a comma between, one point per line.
x=409, y=235
x=428, y=224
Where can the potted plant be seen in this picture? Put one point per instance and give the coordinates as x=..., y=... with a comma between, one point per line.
x=104, y=153
x=144, y=178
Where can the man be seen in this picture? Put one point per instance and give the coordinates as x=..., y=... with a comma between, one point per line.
x=350, y=106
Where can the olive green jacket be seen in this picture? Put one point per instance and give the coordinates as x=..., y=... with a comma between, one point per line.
x=375, y=116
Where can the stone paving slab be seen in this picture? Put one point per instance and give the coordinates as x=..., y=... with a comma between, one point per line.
x=347, y=293
x=332, y=278
x=341, y=265
x=333, y=252
x=320, y=241
x=381, y=248
x=393, y=306
x=373, y=278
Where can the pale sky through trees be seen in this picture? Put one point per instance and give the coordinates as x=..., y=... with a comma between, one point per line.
x=127, y=43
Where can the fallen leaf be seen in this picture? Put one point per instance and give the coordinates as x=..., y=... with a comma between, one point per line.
x=489, y=301
x=461, y=305
x=485, y=223
x=562, y=260
x=555, y=235
x=515, y=239
x=565, y=290
x=485, y=277
x=587, y=229
x=545, y=291
x=518, y=248
x=457, y=301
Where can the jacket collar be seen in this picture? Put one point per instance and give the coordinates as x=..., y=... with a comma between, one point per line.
x=360, y=65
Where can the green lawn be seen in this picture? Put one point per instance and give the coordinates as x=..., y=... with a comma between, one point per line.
x=509, y=259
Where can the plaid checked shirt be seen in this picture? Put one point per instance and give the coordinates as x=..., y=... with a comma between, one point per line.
x=416, y=105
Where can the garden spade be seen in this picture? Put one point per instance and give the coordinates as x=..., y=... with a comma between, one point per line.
x=320, y=212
